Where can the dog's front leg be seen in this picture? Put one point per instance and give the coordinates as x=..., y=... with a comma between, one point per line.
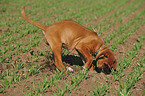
x=92, y=68
x=87, y=55
x=89, y=60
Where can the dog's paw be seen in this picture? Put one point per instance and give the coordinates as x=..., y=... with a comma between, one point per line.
x=84, y=69
x=70, y=69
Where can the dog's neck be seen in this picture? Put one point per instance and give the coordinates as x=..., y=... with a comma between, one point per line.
x=99, y=49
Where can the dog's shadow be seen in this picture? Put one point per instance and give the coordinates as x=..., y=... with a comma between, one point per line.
x=75, y=60
x=72, y=60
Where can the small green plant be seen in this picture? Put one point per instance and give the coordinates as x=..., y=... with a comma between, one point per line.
x=100, y=90
x=125, y=87
x=75, y=81
x=45, y=84
x=18, y=37
x=41, y=88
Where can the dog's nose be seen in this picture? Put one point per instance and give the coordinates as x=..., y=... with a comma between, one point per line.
x=107, y=70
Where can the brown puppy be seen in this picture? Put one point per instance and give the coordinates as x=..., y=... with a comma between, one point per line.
x=73, y=36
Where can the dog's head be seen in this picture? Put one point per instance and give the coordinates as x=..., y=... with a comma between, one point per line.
x=106, y=61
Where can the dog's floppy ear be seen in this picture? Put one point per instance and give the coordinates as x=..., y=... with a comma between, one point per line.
x=114, y=64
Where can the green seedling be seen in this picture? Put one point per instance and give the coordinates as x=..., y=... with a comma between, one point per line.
x=100, y=90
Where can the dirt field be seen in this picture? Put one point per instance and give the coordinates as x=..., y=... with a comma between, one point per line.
x=26, y=62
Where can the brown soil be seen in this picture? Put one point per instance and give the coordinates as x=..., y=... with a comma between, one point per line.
x=94, y=78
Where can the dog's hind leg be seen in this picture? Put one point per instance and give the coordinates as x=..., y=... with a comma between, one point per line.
x=56, y=49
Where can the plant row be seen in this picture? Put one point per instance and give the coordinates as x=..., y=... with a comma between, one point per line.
x=125, y=87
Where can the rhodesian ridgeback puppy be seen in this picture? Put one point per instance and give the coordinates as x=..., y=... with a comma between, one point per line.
x=73, y=36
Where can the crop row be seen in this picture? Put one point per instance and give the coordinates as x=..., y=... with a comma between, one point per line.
x=125, y=87
x=72, y=13
x=14, y=15
x=19, y=36
x=19, y=47
x=68, y=87
x=116, y=75
x=20, y=71
x=16, y=30
x=12, y=47
x=51, y=7
x=121, y=30
x=117, y=17
x=8, y=77
x=100, y=12
x=13, y=38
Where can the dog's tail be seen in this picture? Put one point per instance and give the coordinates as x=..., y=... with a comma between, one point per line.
x=32, y=22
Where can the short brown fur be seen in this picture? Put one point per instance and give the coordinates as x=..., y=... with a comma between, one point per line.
x=73, y=36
